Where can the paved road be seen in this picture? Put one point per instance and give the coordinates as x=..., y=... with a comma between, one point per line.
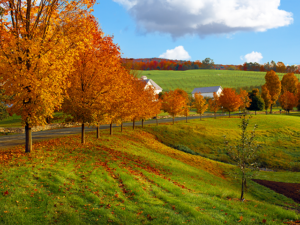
x=19, y=139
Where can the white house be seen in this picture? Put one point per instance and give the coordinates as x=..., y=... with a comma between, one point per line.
x=149, y=82
x=208, y=91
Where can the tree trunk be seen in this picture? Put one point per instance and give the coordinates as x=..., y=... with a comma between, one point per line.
x=215, y=115
x=142, y=123
x=186, y=118
x=173, y=120
x=111, y=130
x=266, y=112
x=133, y=124
x=82, y=134
x=156, y=120
x=255, y=112
x=271, y=108
x=98, y=132
x=28, y=133
x=200, y=116
x=229, y=114
x=121, y=126
x=242, y=192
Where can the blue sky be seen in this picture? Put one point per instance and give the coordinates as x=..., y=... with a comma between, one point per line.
x=228, y=31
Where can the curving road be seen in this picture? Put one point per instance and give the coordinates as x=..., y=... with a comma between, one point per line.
x=19, y=139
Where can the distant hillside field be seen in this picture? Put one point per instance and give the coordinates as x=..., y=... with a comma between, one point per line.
x=190, y=79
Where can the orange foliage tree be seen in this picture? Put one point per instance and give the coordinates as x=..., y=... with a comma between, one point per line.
x=200, y=104
x=266, y=96
x=246, y=101
x=230, y=100
x=288, y=101
x=39, y=42
x=273, y=84
x=214, y=104
x=94, y=79
x=173, y=102
x=289, y=83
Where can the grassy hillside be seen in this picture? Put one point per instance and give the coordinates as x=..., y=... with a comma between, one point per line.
x=277, y=134
x=131, y=178
x=190, y=79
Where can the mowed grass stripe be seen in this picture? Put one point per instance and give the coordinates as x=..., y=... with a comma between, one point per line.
x=129, y=178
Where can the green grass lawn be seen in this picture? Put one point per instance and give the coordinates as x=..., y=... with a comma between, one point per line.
x=132, y=178
x=190, y=79
x=277, y=134
x=16, y=121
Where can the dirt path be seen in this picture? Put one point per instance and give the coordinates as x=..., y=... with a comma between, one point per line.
x=290, y=190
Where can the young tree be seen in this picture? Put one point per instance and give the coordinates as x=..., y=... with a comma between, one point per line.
x=200, y=104
x=245, y=152
x=289, y=83
x=39, y=42
x=230, y=100
x=288, y=101
x=273, y=84
x=266, y=96
x=173, y=102
x=214, y=104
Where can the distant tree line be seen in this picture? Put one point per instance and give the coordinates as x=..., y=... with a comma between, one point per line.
x=208, y=63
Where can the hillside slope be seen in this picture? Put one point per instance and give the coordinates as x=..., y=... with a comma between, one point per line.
x=128, y=178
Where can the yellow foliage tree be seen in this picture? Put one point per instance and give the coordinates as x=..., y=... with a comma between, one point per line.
x=266, y=96
x=39, y=42
x=200, y=104
x=289, y=83
x=173, y=102
x=214, y=104
x=245, y=100
x=273, y=84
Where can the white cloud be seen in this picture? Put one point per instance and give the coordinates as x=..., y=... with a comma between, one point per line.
x=178, y=53
x=204, y=17
x=253, y=57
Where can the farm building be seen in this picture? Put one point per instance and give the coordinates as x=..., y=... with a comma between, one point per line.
x=149, y=82
x=208, y=91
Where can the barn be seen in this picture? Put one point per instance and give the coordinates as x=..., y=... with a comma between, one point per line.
x=208, y=91
x=149, y=82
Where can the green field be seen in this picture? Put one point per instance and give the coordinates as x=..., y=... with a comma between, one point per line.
x=190, y=79
x=133, y=178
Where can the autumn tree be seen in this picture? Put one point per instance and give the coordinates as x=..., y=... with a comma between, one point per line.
x=229, y=100
x=265, y=94
x=200, y=104
x=173, y=102
x=273, y=85
x=289, y=83
x=280, y=67
x=94, y=79
x=39, y=42
x=288, y=101
x=214, y=104
x=245, y=100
